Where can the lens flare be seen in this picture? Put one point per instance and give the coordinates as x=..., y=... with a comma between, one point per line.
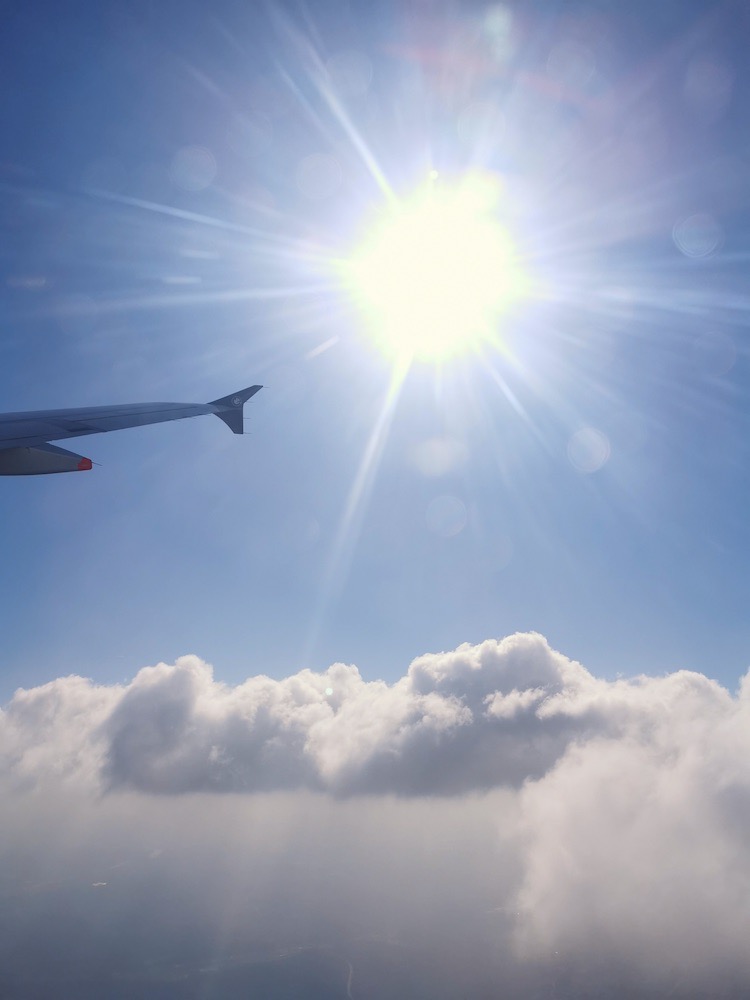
x=434, y=273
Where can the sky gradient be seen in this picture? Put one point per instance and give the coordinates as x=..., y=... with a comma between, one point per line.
x=168, y=237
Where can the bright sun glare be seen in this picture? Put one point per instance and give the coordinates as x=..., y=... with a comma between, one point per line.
x=435, y=272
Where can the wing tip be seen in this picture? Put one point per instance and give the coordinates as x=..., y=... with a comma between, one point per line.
x=230, y=408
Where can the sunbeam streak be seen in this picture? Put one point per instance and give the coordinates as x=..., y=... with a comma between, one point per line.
x=271, y=242
x=317, y=73
x=347, y=535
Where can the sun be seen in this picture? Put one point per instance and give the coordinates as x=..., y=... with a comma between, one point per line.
x=434, y=273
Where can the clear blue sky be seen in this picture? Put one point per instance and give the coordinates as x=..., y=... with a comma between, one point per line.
x=172, y=177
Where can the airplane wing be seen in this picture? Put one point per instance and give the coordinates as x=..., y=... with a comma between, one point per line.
x=24, y=437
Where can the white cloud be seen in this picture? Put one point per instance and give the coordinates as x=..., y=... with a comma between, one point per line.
x=473, y=719
x=497, y=804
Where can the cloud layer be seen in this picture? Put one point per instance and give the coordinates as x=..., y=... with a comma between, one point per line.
x=477, y=718
x=542, y=825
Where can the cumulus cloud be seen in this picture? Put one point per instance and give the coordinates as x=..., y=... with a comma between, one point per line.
x=476, y=718
x=498, y=804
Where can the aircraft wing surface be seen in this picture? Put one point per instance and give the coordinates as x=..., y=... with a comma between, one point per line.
x=25, y=436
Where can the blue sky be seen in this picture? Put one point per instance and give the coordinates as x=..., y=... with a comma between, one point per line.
x=173, y=180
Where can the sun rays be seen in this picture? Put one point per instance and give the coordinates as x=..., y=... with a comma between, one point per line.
x=396, y=217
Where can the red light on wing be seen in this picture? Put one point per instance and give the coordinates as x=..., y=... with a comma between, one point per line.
x=84, y=465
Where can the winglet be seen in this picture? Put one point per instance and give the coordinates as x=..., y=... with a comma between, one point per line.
x=229, y=408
